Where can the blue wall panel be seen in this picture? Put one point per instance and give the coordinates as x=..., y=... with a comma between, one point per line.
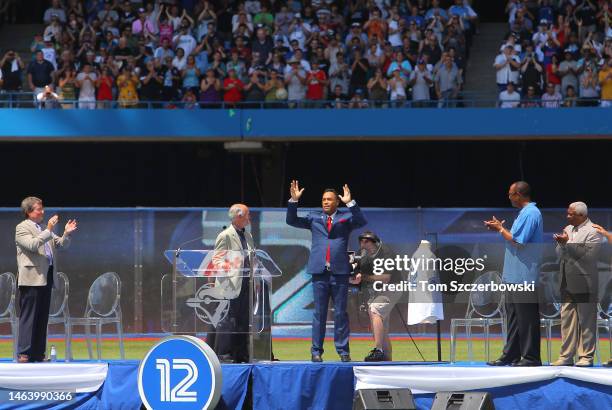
x=297, y=124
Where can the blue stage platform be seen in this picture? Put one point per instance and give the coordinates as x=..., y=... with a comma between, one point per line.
x=305, y=385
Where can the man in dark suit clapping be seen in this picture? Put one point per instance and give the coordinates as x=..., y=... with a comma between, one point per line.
x=328, y=262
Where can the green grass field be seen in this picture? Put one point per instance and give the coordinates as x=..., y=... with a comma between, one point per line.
x=403, y=350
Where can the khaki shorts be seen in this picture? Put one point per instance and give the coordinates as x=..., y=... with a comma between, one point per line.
x=382, y=303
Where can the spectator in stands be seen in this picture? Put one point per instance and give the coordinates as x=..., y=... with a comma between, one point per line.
x=340, y=74
x=551, y=98
x=358, y=100
x=531, y=99
x=447, y=82
x=605, y=82
x=377, y=88
x=359, y=71
x=210, y=90
x=568, y=70
x=589, y=86
x=295, y=78
x=507, y=65
x=189, y=101
x=402, y=64
x=39, y=73
x=552, y=71
x=127, y=84
x=47, y=98
x=151, y=82
x=397, y=87
x=232, y=88
x=275, y=90
x=337, y=99
x=55, y=10
x=420, y=81
x=87, y=80
x=509, y=98
x=316, y=81
x=68, y=88
x=254, y=89
x=49, y=53
x=190, y=75
x=570, y=99
x=105, y=87
x=37, y=44
x=11, y=67
x=532, y=73
x=53, y=32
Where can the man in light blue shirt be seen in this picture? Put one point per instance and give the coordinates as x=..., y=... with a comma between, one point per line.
x=521, y=265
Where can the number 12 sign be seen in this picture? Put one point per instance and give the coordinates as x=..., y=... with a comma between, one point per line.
x=180, y=373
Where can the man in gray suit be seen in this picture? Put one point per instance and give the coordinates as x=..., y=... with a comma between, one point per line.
x=231, y=340
x=37, y=265
x=577, y=248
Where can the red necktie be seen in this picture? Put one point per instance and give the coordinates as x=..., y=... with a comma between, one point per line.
x=328, y=255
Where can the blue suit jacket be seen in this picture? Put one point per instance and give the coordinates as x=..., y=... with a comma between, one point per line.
x=344, y=222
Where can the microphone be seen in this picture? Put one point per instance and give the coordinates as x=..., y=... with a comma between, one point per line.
x=178, y=249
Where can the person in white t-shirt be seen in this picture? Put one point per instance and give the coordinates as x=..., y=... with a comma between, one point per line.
x=507, y=65
x=87, y=81
x=509, y=98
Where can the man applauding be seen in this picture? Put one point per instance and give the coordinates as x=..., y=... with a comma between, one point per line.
x=328, y=262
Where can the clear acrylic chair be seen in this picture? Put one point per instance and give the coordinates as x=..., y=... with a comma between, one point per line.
x=550, y=302
x=8, y=288
x=485, y=309
x=103, y=307
x=58, y=311
x=604, y=316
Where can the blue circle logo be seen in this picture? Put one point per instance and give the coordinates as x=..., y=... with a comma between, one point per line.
x=180, y=373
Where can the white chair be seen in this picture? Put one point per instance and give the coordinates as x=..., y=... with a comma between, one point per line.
x=58, y=311
x=485, y=309
x=604, y=317
x=103, y=307
x=550, y=302
x=7, y=306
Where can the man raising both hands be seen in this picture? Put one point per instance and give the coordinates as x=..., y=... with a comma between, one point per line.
x=328, y=262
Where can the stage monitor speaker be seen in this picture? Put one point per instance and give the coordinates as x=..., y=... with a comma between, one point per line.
x=462, y=401
x=383, y=399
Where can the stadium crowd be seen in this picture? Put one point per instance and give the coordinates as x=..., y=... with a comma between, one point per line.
x=557, y=53
x=202, y=53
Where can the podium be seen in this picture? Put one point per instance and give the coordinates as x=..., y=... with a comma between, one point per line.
x=206, y=287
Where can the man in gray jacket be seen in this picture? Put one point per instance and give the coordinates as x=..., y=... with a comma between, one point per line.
x=37, y=265
x=577, y=248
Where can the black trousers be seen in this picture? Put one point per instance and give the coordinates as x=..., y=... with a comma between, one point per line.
x=231, y=335
x=34, y=302
x=523, y=328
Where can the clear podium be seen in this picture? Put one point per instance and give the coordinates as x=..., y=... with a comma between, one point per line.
x=207, y=290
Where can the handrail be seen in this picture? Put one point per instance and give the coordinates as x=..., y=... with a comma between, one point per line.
x=14, y=100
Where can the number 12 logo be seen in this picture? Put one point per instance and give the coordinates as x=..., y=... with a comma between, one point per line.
x=179, y=392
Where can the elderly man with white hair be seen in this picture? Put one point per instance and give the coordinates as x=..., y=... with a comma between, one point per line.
x=577, y=248
x=230, y=339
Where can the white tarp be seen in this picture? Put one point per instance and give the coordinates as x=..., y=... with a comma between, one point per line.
x=432, y=379
x=76, y=377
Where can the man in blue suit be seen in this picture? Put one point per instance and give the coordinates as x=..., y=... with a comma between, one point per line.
x=328, y=262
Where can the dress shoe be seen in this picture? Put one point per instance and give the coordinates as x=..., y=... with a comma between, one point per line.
x=345, y=358
x=527, y=363
x=316, y=358
x=561, y=362
x=584, y=363
x=502, y=361
x=23, y=358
